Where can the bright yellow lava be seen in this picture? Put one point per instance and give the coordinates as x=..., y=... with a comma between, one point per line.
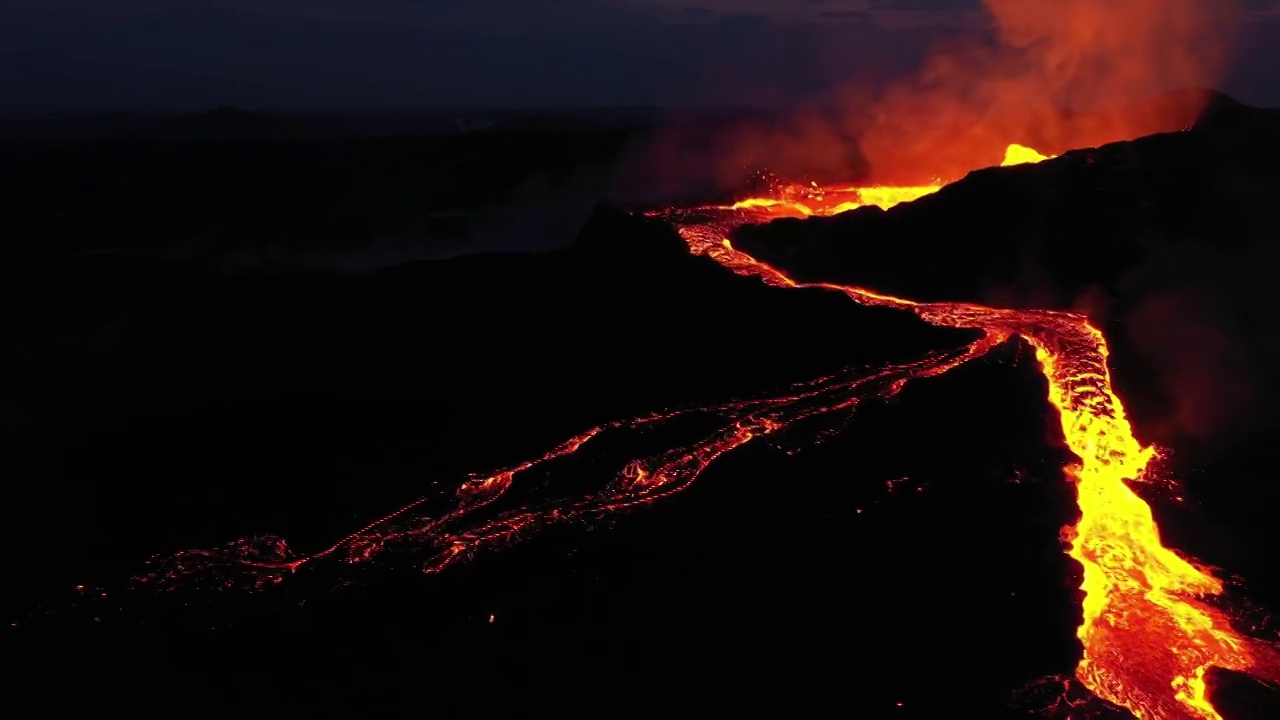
x=799, y=200
x=1149, y=638
x=1021, y=155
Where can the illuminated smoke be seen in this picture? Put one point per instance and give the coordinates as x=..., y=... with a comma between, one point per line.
x=1056, y=74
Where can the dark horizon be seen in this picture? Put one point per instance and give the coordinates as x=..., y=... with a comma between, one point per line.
x=414, y=56
x=391, y=112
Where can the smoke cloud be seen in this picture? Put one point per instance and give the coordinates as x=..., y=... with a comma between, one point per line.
x=1052, y=74
x=1055, y=75
x=1195, y=317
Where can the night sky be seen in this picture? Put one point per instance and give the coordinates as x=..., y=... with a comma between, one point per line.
x=81, y=55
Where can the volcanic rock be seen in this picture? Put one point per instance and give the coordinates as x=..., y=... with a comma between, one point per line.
x=1035, y=235
x=1169, y=243
x=153, y=405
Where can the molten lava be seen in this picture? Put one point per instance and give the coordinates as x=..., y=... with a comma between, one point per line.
x=1148, y=639
x=1021, y=155
x=1149, y=636
x=800, y=201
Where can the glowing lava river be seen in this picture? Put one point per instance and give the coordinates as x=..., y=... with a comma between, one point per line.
x=1149, y=636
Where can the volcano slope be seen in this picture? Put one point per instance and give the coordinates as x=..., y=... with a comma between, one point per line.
x=911, y=561
x=1166, y=243
x=161, y=408
x=1169, y=240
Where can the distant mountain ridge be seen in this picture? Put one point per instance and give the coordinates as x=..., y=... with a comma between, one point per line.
x=228, y=123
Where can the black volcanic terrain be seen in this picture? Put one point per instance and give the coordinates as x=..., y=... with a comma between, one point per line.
x=1169, y=243
x=231, y=182
x=907, y=566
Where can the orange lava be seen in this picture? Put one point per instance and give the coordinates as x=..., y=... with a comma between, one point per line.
x=1148, y=633
x=1149, y=637
x=798, y=200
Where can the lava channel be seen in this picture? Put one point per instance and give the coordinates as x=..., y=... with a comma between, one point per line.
x=1149, y=634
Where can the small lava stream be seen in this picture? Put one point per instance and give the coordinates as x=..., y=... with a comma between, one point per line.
x=1149, y=631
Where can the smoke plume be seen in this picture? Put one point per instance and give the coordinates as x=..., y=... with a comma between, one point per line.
x=1056, y=75
x=1051, y=74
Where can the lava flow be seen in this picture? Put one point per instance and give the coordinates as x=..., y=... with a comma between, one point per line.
x=799, y=201
x=1149, y=636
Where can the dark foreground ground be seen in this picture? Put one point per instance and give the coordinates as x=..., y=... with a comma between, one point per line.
x=907, y=567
